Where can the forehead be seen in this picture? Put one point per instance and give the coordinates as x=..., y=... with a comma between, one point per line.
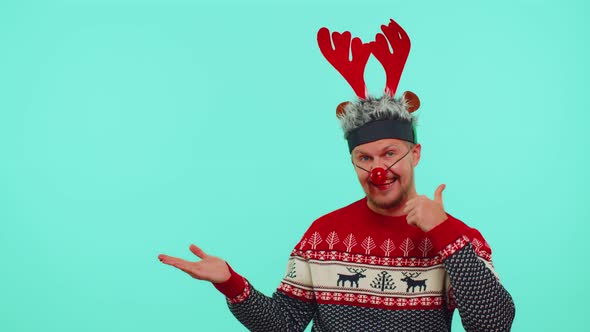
x=379, y=146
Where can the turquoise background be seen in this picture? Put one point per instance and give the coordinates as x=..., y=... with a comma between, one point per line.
x=133, y=128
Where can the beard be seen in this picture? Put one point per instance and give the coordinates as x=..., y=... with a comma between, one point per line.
x=387, y=204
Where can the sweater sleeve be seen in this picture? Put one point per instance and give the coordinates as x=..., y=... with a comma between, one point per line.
x=258, y=312
x=482, y=301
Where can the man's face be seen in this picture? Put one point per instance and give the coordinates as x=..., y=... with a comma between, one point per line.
x=400, y=178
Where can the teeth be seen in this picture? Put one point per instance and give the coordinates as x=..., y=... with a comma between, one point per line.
x=388, y=182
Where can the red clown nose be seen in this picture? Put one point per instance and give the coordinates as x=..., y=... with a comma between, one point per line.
x=378, y=176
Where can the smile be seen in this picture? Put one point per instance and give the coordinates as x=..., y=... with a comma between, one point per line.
x=384, y=185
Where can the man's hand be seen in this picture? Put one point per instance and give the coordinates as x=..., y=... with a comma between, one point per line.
x=209, y=268
x=425, y=213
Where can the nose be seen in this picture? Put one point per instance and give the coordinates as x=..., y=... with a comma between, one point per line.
x=378, y=175
x=379, y=163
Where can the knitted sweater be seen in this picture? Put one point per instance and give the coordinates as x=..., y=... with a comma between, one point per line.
x=356, y=270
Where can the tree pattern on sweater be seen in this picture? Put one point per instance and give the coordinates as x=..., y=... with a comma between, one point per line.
x=453, y=263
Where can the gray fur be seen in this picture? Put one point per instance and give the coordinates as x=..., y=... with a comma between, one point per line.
x=368, y=110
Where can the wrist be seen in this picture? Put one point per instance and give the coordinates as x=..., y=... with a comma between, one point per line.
x=233, y=286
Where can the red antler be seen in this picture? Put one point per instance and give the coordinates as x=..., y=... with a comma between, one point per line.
x=338, y=56
x=392, y=62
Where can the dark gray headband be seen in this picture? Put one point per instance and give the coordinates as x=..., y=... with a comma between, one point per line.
x=380, y=129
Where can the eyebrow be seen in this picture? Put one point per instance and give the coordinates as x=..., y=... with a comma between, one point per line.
x=388, y=147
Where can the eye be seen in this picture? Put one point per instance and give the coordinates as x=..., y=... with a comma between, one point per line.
x=390, y=153
x=364, y=158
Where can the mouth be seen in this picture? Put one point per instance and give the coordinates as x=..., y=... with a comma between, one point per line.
x=385, y=185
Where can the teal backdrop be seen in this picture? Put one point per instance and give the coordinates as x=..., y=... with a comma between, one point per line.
x=133, y=128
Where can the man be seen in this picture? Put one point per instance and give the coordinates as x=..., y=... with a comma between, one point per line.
x=392, y=261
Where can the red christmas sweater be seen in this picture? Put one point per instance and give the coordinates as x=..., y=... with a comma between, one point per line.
x=353, y=265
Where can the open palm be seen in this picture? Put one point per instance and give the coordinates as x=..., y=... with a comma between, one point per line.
x=210, y=268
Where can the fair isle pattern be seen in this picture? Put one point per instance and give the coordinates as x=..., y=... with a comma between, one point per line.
x=368, y=244
x=478, y=247
x=354, y=319
x=319, y=280
x=425, y=246
x=297, y=291
x=349, y=242
x=365, y=259
x=355, y=270
x=283, y=313
x=243, y=296
x=451, y=303
x=334, y=281
x=407, y=246
x=484, y=305
x=302, y=244
x=363, y=299
x=379, y=301
x=277, y=313
x=479, y=292
x=314, y=240
x=388, y=246
x=332, y=239
x=454, y=247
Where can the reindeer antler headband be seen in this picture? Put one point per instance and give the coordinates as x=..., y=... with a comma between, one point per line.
x=370, y=119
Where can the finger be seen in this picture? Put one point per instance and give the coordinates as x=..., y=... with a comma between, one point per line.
x=408, y=208
x=410, y=204
x=438, y=193
x=412, y=220
x=167, y=259
x=197, y=251
x=413, y=203
x=174, y=261
x=163, y=257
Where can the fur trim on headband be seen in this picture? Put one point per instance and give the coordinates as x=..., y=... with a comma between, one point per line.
x=371, y=109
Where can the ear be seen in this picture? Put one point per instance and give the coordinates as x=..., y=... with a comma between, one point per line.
x=416, y=152
x=412, y=101
x=341, y=109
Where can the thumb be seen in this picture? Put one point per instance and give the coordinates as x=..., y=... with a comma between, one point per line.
x=438, y=193
x=197, y=251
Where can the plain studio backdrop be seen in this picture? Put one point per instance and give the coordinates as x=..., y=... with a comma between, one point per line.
x=133, y=128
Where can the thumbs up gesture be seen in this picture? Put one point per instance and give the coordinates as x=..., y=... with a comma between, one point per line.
x=425, y=213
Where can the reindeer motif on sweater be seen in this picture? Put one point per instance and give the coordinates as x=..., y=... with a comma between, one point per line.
x=354, y=278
